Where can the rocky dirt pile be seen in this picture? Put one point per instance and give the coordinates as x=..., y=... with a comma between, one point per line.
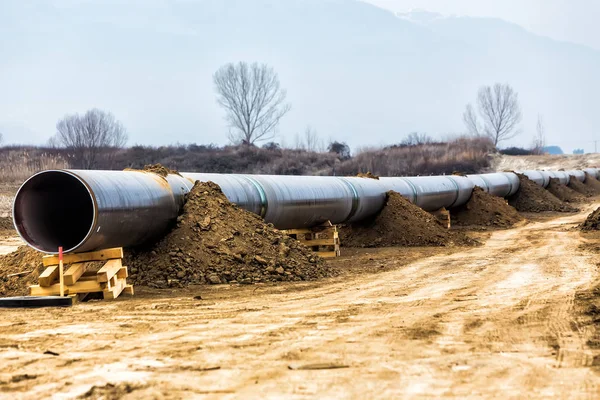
x=401, y=223
x=367, y=175
x=217, y=242
x=592, y=184
x=533, y=198
x=563, y=192
x=484, y=209
x=6, y=224
x=580, y=187
x=592, y=222
x=157, y=169
x=27, y=263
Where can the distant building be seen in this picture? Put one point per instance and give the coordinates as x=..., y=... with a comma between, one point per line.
x=554, y=150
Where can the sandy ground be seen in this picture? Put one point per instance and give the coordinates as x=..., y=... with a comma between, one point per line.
x=497, y=321
x=567, y=161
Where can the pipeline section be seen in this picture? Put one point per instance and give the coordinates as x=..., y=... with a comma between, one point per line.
x=84, y=210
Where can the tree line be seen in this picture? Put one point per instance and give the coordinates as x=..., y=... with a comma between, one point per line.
x=254, y=102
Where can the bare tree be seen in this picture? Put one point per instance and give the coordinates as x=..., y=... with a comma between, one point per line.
x=498, y=107
x=539, y=141
x=253, y=100
x=1, y=137
x=310, y=141
x=471, y=122
x=90, y=135
x=416, y=139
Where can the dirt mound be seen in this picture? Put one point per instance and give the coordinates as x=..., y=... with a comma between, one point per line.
x=401, y=223
x=367, y=175
x=592, y=222
x=217, y=242
x=563, y=192
x=157, y=169
x=579, y=187
x=484, y=209
x=533, y=198
x=26, y=261
x=6, y=224
x=592, y=183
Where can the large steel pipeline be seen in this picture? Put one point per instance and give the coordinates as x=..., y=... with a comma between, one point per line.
x=83, y=210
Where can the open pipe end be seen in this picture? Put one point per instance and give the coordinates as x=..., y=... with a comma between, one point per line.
x=52, y=209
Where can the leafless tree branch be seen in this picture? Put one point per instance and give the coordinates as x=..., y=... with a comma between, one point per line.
x=89, y=135
x=539, y=142
x=499, y=110
x=253, y=101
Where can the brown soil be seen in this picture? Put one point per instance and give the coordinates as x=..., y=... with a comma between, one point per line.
x=580, y=187
x=367, y=175
x=6, y=224
x=592, y=183
x=157, y=169
x=217, y=242
x=401, y=223
x=26, y=260
x=484, y=209
x=533, y=198
x=592, y=222
x=563, y=192
x=444, y=322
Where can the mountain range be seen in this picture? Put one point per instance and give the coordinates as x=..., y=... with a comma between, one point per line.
x=353, y=72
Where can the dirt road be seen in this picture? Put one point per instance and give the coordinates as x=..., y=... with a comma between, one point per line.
x=492, y=321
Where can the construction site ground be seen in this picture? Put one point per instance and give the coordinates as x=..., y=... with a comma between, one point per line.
x=499, y=320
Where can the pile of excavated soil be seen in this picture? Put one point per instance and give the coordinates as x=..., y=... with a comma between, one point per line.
x=217, y=242
x=401, y=223
x=563, y=192
x=157, y=169
x=580, y=187
x=367, y=175
x=592, y=222
x=6, y=224
x=592, y=184
x=533, y=198
x=484, y=209
x=26, y=262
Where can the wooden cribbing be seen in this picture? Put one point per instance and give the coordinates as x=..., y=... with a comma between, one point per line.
x=323, y=239
x=79, y=280
x=100, y=255
x=109, y=270
x=49, y=276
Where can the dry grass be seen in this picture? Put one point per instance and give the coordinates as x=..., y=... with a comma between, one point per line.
x=464, y=154
x=16, y=165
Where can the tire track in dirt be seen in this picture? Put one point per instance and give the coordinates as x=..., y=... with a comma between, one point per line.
x=491, y=320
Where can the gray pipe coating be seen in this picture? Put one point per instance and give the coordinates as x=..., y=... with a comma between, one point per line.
x=83, y=210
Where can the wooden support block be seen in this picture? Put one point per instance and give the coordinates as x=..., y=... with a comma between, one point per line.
x=112, y=282
x=79, y=287
x=74, y=272
x=115, y=290
x=100, y=255
x=128, y=290
x=297, y=231
x=328, y=254
x=123, y=274
x=49, y=276
x=320, y=242
x=109, y=270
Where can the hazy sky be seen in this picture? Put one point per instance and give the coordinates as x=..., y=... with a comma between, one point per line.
x=150, y=62
x=567, y=20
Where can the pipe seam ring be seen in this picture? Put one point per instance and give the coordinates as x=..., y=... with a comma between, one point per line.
x=355, y=198
x=264, y=204
x=457, y=190
x=413, y=188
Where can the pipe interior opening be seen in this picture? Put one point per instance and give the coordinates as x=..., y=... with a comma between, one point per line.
x=53, y=209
